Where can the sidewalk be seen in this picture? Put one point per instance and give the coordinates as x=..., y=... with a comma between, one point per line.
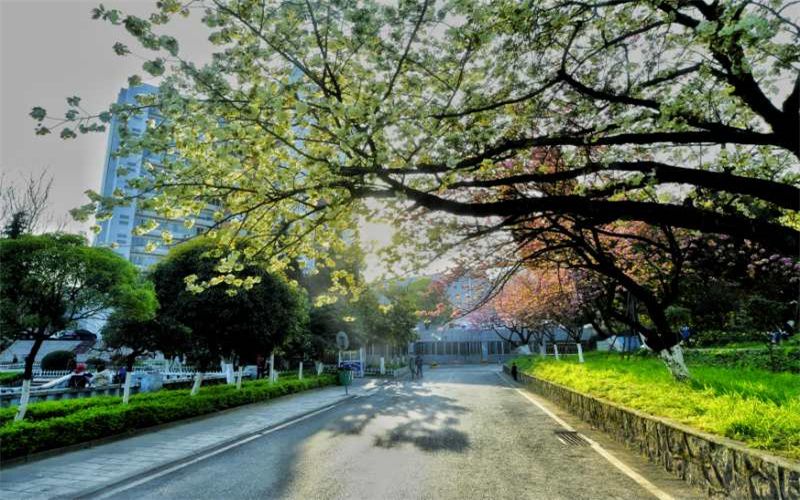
x=93, y=468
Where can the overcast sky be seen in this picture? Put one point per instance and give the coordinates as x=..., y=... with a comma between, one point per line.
x=52, y=49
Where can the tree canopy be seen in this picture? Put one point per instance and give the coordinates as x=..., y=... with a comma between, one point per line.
x=50, y=282
x=225, y=320
x=472, y=121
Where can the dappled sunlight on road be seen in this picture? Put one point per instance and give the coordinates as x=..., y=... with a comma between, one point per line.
x=410, y=413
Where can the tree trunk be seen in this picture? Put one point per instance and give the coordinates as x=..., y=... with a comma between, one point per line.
x=25, y=395
x=27, y=378
x=239, y=378
x=31, y=357
x=580, y=352
x=272, y=377
x=665, y=341
x=198, y=379
x=126, y=391
x=673, y=358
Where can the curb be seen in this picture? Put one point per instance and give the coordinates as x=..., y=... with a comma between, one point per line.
x=90, y=492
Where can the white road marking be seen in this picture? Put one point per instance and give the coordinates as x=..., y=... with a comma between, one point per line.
x=156, y=475
x=638, y=478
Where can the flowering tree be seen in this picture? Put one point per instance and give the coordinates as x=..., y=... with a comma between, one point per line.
x=735, y=285
x=531, y=304
x=512, y=313
x=308, y=109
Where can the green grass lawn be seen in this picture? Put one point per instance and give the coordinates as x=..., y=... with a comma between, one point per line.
x=758, y=407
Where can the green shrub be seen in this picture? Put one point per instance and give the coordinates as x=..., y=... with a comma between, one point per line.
x=58, y=360
x=54, y=424
x=717, y=338
x=10, y=378
x=778, y=358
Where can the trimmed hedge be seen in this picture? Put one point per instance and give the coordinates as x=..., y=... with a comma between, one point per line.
x=59, y=408
x=10, y=378
x=58, y=360
x=55, y=424
x=781, y=359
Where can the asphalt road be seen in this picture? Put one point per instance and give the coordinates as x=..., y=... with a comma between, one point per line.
x=461, y=433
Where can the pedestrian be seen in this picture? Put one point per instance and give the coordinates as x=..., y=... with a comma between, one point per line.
x=514, y=372
x=78, y=380
x=419, y=366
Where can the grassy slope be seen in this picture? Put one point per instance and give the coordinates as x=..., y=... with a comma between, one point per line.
x=758, y=407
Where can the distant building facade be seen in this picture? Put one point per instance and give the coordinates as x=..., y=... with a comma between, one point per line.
x=117, y=232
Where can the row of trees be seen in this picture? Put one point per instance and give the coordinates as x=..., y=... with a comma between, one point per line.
x=561, y=132
x=50, y=282
x=710, y=283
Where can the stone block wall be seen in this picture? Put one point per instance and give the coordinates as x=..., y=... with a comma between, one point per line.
x=722, y=467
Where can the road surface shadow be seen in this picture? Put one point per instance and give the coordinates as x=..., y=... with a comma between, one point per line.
x=426, y=420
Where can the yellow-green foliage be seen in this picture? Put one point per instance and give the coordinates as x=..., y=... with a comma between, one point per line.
x=758, y=407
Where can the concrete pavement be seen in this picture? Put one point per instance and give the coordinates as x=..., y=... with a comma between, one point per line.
x=460, y=433
x=68, y=474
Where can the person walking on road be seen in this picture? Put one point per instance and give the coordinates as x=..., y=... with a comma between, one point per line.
x=418, y=362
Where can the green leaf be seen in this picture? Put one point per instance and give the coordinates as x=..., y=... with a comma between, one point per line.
x=134, y=81
x=38, y=113
x=68, y=133
x=154, y=67
x=168, y=43
x=105, y=117
x=121, y=49
x=74, y=101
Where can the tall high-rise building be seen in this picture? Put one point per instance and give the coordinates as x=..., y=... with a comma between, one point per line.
x=117, y=232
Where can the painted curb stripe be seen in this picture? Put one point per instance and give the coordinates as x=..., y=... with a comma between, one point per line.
x=638, y=478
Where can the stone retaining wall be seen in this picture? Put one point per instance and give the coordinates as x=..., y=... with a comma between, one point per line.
x=720, y=466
